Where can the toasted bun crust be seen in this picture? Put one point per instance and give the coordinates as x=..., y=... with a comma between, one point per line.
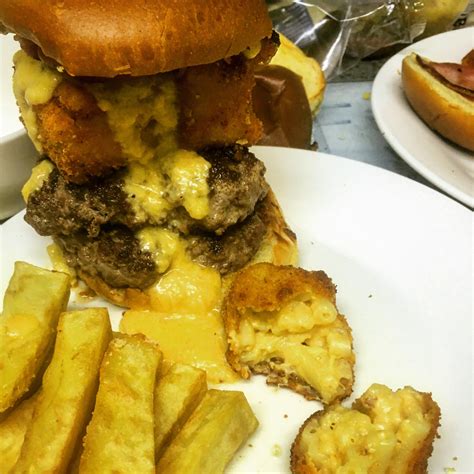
x=441, y=108
x=138, y=37
x=278, y=247
x=294, y=59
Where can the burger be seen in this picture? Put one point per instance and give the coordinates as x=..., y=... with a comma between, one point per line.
x=142, y=113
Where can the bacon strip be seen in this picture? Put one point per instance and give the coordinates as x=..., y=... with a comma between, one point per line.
x=459, y=77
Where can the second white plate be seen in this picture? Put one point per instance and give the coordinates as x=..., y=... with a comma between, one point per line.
x=445, y=165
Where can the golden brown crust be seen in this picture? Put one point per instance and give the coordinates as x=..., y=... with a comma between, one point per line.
x=75, y=134
x=136, y=37
x=216, y=104
x=279, y=244
x=441, y=108
x=282, y=285
x=298, y=462
x=266, y=287
x=418, y=462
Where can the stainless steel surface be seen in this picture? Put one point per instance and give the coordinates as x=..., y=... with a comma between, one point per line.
x=345, y=126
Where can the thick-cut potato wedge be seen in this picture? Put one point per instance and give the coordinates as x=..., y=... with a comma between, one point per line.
x=177, y=394
x=221, y=423
x=120, y=437
x=12, y=433
x=68, y=392
x=31, y=307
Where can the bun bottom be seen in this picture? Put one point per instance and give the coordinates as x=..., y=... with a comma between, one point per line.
x=278, y=247
x=441, y=108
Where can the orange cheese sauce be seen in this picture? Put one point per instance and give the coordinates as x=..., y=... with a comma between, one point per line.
x=184, y=318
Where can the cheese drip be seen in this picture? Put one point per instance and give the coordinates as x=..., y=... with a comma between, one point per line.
x=177, y=179
x=39, y=174
x=141, y=113
x=33, y=84
x=184, y=308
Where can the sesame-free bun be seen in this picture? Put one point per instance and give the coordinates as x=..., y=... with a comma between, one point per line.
x=136, y=37
x=441, y=108
x=278, y=247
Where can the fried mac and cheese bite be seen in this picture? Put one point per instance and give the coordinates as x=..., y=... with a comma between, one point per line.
x=283, y=322
x=385, y=432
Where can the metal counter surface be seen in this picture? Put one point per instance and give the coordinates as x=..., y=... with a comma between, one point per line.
x=345, y=126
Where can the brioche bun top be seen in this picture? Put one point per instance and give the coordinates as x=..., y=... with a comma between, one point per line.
x=136, y=37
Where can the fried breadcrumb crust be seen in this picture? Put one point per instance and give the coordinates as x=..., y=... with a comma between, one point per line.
x=75, y=134
x=417, y=463
x=214, y=107
x=266, y=287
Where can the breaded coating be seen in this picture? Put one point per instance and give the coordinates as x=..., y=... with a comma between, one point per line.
x=216, y=100
x=283, y=322
x=385, y=432
x=216, y=104
x=90, y=127
x=74, y=133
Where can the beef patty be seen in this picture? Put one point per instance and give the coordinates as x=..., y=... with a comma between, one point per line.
x=236, y=183
x=115, y=256
x=231, y=251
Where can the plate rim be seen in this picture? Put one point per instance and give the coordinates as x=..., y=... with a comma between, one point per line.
x=395, y=144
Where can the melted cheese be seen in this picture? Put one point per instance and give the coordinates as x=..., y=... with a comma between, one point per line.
x=188, y=338
x=141, y=113
x=307, y=335
x=59, y=263
x=161, y=243
x=184, y=316
x=177, y=179
x=33, y=84
x=188, y=173
x=380, y=442
x=345, y=441
x=39, y=175
x=252, y=51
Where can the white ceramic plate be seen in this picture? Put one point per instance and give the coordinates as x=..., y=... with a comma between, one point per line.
x=400, y=254
x=447, y=166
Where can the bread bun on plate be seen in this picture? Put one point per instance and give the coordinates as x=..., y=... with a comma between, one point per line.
x=442, y=94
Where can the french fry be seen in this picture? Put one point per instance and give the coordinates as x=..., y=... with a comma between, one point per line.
x=120, y=437
x=68, y=391
x=33, y=301
x=211, y=436
x=12, y=433
x=177, y=394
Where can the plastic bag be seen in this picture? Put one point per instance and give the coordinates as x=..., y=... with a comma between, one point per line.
x=328, y=30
